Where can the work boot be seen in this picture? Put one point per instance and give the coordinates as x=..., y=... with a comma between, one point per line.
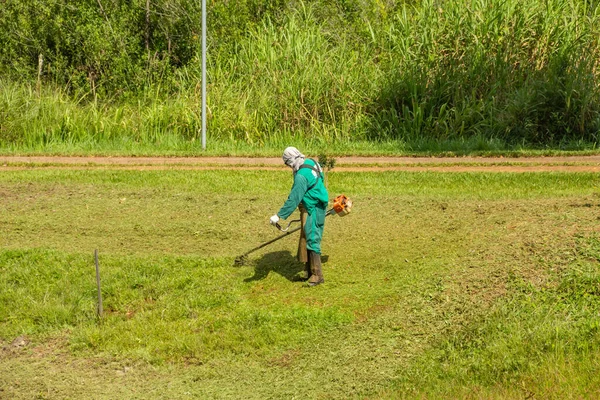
x=317, y=275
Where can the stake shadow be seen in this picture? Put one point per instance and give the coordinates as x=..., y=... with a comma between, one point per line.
x=280, y=262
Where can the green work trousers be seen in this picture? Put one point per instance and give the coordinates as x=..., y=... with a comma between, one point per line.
x=313, y=229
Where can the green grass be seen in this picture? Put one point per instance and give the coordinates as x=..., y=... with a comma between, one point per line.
x=437, y=286
x=554, y=325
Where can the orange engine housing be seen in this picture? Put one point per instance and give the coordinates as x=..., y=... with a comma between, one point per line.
x=342, y=205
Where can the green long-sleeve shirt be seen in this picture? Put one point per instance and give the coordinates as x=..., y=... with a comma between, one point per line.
x=317, y=196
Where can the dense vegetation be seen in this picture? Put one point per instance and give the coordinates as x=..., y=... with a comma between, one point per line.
x=425, y=75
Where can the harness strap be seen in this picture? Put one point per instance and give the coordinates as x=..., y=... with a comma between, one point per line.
x=315, y=169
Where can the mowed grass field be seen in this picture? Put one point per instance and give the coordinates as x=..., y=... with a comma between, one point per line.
x=438, y=285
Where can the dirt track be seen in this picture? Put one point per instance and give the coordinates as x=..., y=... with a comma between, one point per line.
x=441, y=164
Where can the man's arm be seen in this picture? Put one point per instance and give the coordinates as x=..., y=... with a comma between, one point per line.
x=297, y=193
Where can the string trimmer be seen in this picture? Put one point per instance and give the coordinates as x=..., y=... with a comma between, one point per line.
x=342, y=206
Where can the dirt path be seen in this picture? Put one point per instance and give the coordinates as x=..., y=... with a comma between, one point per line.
x=442, y=164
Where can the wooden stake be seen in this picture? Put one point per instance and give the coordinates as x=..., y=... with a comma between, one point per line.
x=302, y=254
x=98, y=283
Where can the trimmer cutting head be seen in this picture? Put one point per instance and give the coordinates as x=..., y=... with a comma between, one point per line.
x=240, y=261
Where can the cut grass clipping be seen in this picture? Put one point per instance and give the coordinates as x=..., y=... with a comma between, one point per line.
x=438, y=285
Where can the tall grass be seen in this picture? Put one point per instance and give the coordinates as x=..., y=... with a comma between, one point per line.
x=425, y=76
x=293, y=82
x=514, y=71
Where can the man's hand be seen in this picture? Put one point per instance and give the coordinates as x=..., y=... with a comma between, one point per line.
x=274, y=219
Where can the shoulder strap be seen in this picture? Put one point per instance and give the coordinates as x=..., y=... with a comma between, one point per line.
x=314, y=168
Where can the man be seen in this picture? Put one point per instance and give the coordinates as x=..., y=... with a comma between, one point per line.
x=308, y=192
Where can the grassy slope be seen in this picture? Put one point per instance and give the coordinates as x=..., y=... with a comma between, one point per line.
x=439, y=285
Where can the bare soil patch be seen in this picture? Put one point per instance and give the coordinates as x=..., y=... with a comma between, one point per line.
x=357, y=164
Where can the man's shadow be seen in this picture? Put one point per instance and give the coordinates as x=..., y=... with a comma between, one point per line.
x=280, y=262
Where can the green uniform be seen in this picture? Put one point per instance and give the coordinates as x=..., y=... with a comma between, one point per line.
x=311, y=192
